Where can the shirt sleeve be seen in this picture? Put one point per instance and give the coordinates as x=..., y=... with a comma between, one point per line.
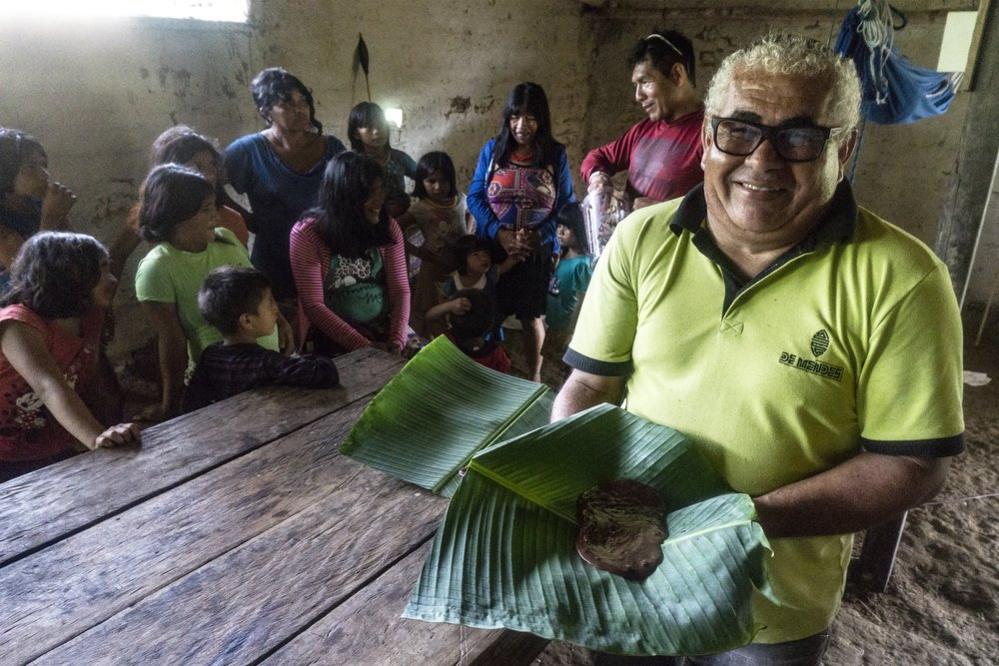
x=307, y=269
x=152, y=281
x=397, y=285
x=582, y=273
x=596, y=347
x=566, y=194
x=486, y=223
x=610, y=159
x=238, y=167
x=909, y=389
x=408, y=165
x=307, y=371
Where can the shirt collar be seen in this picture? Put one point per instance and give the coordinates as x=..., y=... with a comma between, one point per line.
x=838, y=224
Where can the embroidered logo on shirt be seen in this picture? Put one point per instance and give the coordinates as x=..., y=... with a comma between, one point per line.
x=819, y=344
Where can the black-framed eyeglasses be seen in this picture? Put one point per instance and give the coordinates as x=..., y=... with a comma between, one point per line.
x=802, y=143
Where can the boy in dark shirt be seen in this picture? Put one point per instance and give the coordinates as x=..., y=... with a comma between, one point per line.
x=238, y=301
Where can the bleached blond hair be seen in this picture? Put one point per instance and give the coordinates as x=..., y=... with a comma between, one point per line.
x=790, y=54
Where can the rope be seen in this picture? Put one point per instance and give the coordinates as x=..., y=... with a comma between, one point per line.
x=879, y=34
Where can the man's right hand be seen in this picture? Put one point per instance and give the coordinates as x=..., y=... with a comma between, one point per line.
x=599, y=181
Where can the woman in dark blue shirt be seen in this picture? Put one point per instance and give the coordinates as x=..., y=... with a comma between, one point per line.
x=279, y=170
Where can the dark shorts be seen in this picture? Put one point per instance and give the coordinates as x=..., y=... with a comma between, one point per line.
x=523, y=290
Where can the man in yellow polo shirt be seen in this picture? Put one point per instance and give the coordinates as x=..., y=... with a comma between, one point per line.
x=811, y=350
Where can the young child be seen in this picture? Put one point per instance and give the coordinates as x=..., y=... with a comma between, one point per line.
x=29, y=200
x=439, y=216
x=182, y=145
x=178, y=212
x=572, y=277
x=239, y=303
x=368, y=132
x=50, y=328
x=474, y=257
x=472, y=324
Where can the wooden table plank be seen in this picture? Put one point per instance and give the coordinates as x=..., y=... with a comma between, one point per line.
x=61, y=591
x=250, y=600
x=49, y=504
x=368, y=628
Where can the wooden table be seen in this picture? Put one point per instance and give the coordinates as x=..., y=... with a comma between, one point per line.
x=236, y=534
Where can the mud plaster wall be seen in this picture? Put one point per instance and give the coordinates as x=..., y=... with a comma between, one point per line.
x=903, y=170
x=98, y=94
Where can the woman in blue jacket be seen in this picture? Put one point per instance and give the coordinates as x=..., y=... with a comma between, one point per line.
x=520, y=182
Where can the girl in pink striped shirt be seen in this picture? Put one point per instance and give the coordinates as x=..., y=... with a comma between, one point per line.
x=349, y=263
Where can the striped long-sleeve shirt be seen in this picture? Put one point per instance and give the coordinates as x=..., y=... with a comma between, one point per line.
x=310, y=261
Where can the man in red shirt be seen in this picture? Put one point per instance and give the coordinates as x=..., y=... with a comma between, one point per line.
x=662, y=154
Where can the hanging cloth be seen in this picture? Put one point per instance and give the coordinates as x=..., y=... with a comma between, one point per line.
x=893, y=90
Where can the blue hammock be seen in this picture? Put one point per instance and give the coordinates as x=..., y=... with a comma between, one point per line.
x=893, y=89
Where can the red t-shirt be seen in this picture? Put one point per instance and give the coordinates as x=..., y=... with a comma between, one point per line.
x=663, y=159
x=27, y=430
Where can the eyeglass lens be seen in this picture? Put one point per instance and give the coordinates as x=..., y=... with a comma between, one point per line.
x=796, y=144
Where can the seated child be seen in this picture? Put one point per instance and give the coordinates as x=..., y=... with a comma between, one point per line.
x=50, y=329
x=239, y=303
x=473, y=321
x=178, y=212
x=572, y=277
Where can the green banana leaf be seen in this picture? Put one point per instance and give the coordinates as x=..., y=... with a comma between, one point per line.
x=429, y=420
x=505, y=554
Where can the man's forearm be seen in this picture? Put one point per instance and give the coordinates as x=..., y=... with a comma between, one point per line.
x=862, y=492
x=579, y=393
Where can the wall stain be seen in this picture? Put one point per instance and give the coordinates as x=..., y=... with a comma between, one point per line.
x=143, y=72
x=227, y=88
x=458, y=105
x=487, y=104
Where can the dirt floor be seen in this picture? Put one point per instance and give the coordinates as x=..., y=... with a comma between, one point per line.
x=942, y=602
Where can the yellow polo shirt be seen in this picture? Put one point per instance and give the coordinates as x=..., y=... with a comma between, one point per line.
x=849, y=342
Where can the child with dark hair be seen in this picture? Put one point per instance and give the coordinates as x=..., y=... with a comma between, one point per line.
x=368, y=133
x=349, y=263
x=279, y=170
x=178, y=212
x=30, y=200
x=437, y=218
x=476, y=270
x=50, y=329
x=572, y=276
x=239, y=303
x=472, y=327
x=182, y=145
